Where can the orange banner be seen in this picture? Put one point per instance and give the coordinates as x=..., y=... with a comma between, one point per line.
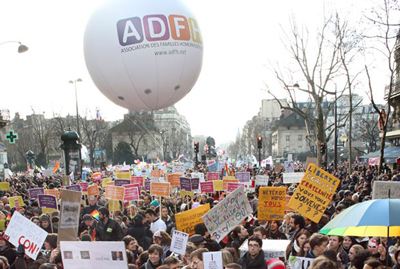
x=156, y=173
x=115, y=192
x=174, y=179
x=93, y=190
x=52, y=192
x=159, y=189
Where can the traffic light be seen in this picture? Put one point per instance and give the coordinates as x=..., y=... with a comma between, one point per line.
x=323, y=148
x=196, y=147
x=259, y=142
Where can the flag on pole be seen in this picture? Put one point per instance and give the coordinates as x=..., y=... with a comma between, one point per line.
x=98, y=116
x=56, y=167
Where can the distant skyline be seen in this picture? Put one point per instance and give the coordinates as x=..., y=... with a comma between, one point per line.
x=240, y=42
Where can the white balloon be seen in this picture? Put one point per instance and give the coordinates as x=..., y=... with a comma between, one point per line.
x=143, y=54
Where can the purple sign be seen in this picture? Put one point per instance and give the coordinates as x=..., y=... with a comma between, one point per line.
x=33, y=193
x=186, y=184
x=47, y=201
x=195, y=183
x=147, y=185
x=74, y=188
x=243, y=176
x=122, y=182
x=207, y=187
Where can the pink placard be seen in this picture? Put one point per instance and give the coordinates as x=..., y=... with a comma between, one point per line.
x=84, y=186
x=131, y=193
x=137, y=180
x=233, y=186
x=207, y=187
x=212, y=176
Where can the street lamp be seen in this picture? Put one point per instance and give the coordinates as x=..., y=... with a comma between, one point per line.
x=21, y=48
x=76, y=100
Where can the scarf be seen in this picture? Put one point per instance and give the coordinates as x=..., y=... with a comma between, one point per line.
x=296, y=247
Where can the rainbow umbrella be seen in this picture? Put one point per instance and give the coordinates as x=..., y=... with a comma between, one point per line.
x=370, y=218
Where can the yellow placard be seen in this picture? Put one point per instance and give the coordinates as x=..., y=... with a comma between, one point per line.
x=115, y=192
x=2, y=224
x=159, y=189
x=271, y=204
x=93, y=190
x=16, y=199
x=105, y=181
x=123, y=175
x=5, y=186
x=314, y=192
x=174, y=179
x=113, y=205
x=52, y=192
x=218, y=185
x=48, y=210
x=229, y=177
x=228, y=180
x=186, y=221
x=183, y=193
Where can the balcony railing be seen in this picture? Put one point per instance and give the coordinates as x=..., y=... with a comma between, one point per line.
x=395, y=90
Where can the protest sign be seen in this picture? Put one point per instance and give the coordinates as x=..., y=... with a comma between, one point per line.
x=212, y=176
x=184, y=193
x=210, y=162
x=111, y=183
x=221, y=165
x=93, y=190
x=213, y=167
x=198, y=175
x=186, y=220
x=160, y=188
x=84, y=174
x=74, y=188
x=123, y=175
x=113, y=205
x=300, y=262
x=84, y=186
x=277, y=167
x=93, y=255
x=121, y=182
x=179, y=241
x=69, y=220
x=52, y=192
x=178, y=168
x=227, y=214
x=292, y=177
x=174, y=179
x=147, y=185
x=105, y=181
x=212, y=260
x=314, y=192
x=272, y=248
x=185, y=183
x=195, y=183
x=48, y=202
x=243, y=176
x=381, y=189
x=5, y=186
x=15, y=201
x=137, y=180
x=22, y=231
x=207, y=187
x=218, y=185
x=115, y=192
x=289, y=167
x=227, y=180
x=156, y=173
x=131, y=192
x=271, y=205
x=33, y=193
x=231, y=187
x=66, y=181
x=262, y=180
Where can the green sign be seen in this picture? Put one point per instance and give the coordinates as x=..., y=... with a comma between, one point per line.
x=11, y=137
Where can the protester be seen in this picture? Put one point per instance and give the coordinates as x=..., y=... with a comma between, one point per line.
x=155, y=255
x=157, y=224
x=254, y=257
x=318, y=245
x=107, y=229
x=196, y=258
x=132, y=245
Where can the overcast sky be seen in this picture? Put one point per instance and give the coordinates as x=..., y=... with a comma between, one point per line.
x=240, y=41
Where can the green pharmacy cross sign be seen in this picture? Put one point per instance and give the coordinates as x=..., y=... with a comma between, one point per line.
x=11, y=137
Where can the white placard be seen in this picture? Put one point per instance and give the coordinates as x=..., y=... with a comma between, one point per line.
x=179, y=242
x=198, y=175
x=93, y=255
x=272, y=248
x=289, y=167
x=381, y=189
x=262, y=180
x=21, y=231
x=213, y=260
x=300, y=262
x=292, y=177
x=178, y=168
x=69, y=214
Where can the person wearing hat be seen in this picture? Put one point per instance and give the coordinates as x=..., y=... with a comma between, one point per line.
x=91, y=207
x=88, y=224
x=154, y=204
x=347, y=200
x=46, y=225
x=198, y=241
x=140, y=232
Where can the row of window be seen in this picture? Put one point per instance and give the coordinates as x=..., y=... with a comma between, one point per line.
x=299, y=138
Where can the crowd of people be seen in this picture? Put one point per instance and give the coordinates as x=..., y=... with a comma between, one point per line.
x=146, y=227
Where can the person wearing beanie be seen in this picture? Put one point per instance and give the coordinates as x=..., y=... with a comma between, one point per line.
x=45, y=224
x=154, y=204
x=275, y=263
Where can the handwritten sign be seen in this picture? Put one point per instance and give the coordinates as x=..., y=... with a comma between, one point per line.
x=213, y=260
x=292, y=177
x=179, y=242
x=300, y=262
x=115, y=192
x=186, y=220
x=289, y=167
x=21, y=230
x=178, y=168
x=93, y=190
x=207, y=187
x=243, y=176
x=227, y=214
x=33, y=193
x=271, y=205
x=113, y=205
x=381, y=189
x=314, y=192
x=262, y=180
x=160, y=188
x=198, y=175
x=212, y=176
